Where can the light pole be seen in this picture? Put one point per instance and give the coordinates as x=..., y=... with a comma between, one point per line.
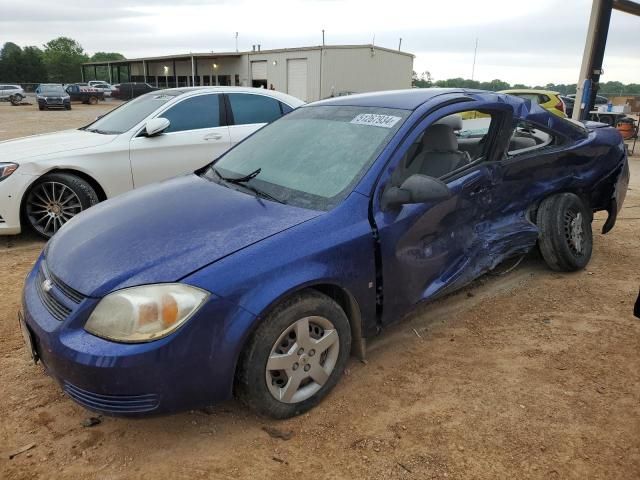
x=166, y=76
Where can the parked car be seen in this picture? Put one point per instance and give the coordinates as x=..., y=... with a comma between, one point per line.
x=259, y=274
x=52, y=95
x=11, y=93
x=547, y=99
x=104, y=87
x=569, y=101
x=154, y=137
x=127, y=91
x=84, y=94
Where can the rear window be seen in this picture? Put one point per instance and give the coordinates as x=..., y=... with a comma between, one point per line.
x=248, y=108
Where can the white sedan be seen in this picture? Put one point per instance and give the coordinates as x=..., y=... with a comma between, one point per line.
x=45, y=180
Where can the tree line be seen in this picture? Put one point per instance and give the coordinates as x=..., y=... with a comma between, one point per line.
x=58, y=61
x=425, y=80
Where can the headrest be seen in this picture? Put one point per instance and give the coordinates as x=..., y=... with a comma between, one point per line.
x=454, y=121
x=439, y=138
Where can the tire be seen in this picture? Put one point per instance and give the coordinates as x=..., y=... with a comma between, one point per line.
x=40, y=107
x=93, y=100
x=67, y=107
x=16, y=99
x=54, y=199
x=565, y=235
x=290, y=391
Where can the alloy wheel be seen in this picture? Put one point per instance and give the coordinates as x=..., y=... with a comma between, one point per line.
x=302, y=359
x=574, y=231
x=50, y=205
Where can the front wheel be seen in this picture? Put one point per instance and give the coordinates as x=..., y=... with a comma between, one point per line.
x=55, y=199
x=93, y=100
x=16, y=99
x=565, y=235
x=295, y=357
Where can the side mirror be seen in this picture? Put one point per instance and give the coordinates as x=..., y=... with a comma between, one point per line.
x=156, y=126
x=415, y=189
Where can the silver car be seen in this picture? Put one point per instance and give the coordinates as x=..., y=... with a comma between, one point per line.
x=11, y=93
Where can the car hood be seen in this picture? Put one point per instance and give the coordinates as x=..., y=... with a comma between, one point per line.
x=27, y=148
x=162, y=233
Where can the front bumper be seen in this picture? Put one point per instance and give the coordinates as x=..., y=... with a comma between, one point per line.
x=12, y=190
x=54, y=103
x=193, y=367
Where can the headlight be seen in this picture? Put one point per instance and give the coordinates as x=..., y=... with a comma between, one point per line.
x=7, y=169
x=146, y=313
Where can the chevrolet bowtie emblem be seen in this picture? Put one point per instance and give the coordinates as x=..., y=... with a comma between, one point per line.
x=47, y=285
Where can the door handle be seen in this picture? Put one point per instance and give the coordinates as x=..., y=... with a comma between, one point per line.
x=213, y=136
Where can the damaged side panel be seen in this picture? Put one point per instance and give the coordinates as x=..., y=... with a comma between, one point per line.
x=429, y=249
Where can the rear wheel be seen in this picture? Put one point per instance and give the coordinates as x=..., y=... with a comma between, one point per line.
x=16, y=99
x=93, y=100
x=295, y=357
x=55, y=199
x=565, y=239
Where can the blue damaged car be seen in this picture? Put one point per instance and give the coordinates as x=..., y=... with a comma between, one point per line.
x=259, y=275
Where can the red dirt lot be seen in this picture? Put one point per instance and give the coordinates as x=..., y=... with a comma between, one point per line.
x=532, y=374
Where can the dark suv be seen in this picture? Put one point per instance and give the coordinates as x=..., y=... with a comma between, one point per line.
x=52, y=95
x=127, y=91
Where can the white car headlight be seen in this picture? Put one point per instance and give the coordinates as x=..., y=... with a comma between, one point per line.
x=145, y=313
x=7, y=169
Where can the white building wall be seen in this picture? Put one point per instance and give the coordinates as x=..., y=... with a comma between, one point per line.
x=364, y=69
x=277, y=69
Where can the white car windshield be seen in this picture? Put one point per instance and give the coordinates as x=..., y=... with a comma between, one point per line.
x=130, y=114
x=312, y=157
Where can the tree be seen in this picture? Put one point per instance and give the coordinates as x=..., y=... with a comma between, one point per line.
x=10, y=61
x=424, y=80
x=63, y=58
x=33, y=68
x=102, y=73
x=107, y=57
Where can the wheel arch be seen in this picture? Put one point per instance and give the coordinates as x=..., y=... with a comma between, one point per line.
x=532, y=211
x=339, y=294
x=86, y=177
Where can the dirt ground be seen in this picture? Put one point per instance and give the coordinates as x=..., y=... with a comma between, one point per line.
x=532, y=374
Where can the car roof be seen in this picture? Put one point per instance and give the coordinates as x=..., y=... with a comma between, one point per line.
x=529, y=90
x=290, y=100
x=408, y=99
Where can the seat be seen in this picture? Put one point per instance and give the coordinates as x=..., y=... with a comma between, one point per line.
x=440, y=154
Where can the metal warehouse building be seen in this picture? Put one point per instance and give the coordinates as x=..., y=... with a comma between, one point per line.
x=309, y=73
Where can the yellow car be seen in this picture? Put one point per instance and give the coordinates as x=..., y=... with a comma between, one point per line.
x=547, y=99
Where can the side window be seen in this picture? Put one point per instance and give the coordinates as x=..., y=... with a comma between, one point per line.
x=202, y=111
x=248, y=108
x=527, y=137
x=448, y=145
x=285, y=108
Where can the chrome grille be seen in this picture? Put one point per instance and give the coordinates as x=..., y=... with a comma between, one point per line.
x=73, y=295
x=51, y=303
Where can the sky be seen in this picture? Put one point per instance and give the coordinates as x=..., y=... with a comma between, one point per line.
x=536, y=42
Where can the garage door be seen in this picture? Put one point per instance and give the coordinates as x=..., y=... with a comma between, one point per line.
x=297, y=78
x=259, y=70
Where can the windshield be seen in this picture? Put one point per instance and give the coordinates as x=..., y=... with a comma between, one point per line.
x=127, y=116
x=313, y=156
x=52, y=89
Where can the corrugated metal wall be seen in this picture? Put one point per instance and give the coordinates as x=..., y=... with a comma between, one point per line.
x=364, y=70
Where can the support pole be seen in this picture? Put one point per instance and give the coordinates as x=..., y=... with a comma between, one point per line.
x=592, y=57
x=193, y=73
x=109, y=68
x=175, y=75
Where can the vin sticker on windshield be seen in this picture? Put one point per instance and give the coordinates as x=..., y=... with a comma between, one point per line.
x=376, y=120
